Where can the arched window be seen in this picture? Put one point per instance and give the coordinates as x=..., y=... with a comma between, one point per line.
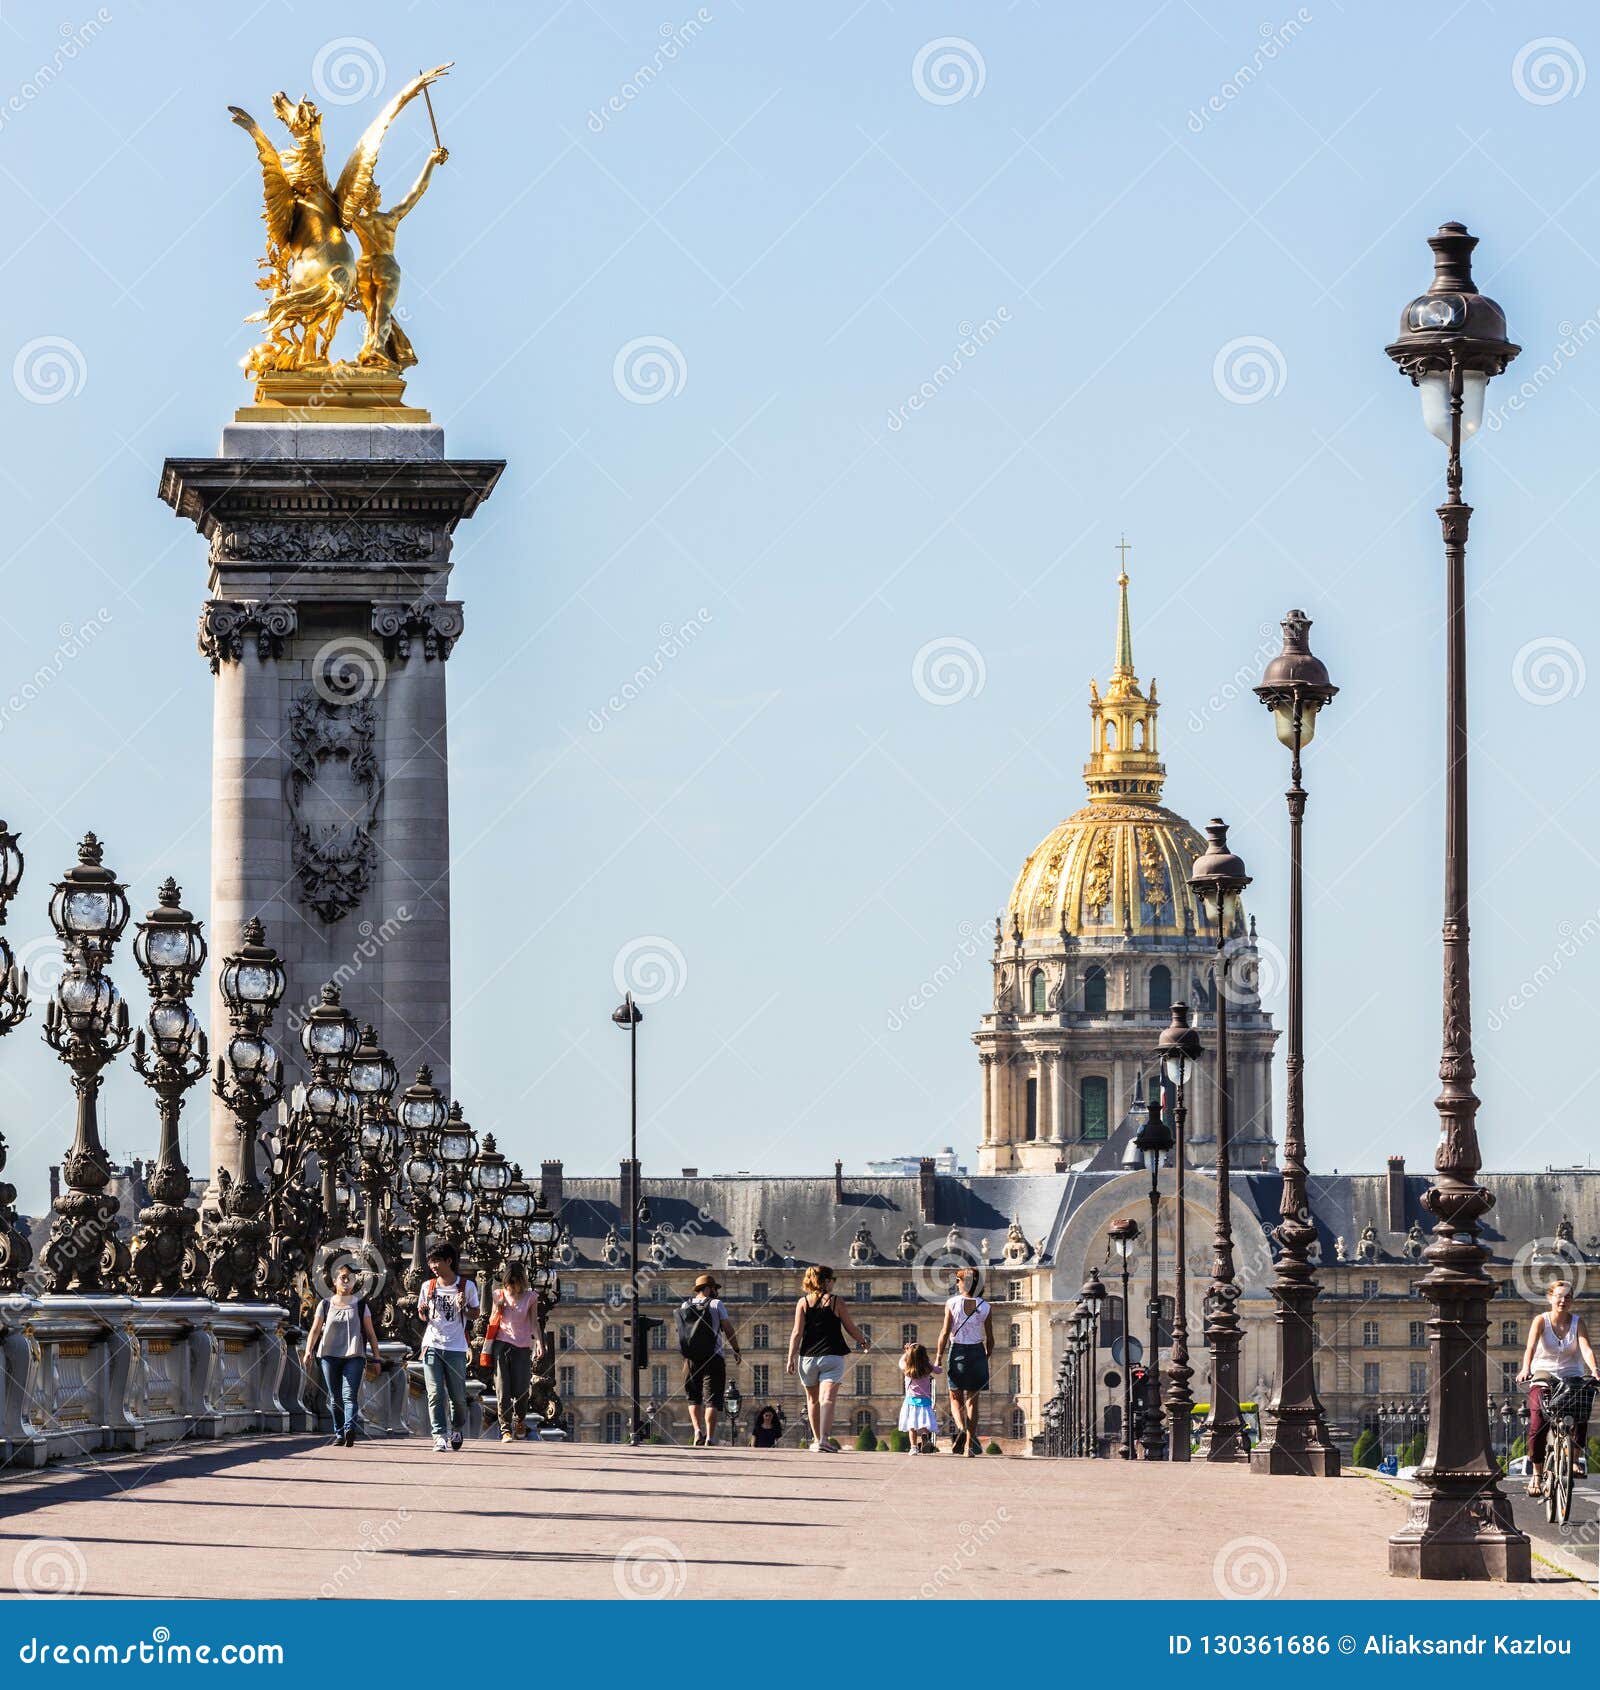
x=1094, y=1098
x=1019, y=1423
x=1094, y=990
x=1160, y=989
x=1138, y=736
x=863, y=1419
x=1037, y=995
x=1111, y=736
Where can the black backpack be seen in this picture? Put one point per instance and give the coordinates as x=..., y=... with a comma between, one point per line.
x=699, y=1343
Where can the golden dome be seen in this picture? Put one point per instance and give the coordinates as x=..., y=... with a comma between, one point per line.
x=1111, y=868
x=1120, y=865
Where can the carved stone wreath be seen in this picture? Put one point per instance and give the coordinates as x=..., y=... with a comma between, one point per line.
x=333, y=795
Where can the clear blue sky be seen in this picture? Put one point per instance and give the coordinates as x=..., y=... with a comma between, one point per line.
x=783, y=204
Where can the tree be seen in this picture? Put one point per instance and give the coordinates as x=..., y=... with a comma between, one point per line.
x=1368, y=1451
x=1411, y=1455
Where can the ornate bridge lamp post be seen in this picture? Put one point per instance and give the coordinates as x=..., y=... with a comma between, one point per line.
x=516, y=1206
x=1452, y=342
x=322, y=1122
x=1178, y=1048
x=1153, y=1143
x=86, y=1025
x=1093, y=1296
x=170, y=951
x=16, y=1253
x=458, y=1145
x=491, y=1177
x=1124, y=1234
x=249, y=1080
x=1296, y=688
x=1218, y=878
x=423, y=1115
x=1078, y=1332
x=372, y=1078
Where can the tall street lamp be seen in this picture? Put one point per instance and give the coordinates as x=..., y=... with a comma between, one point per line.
x=86, y=1025
x=1218, y=878
x=16, y=1253
x=1094, y=1296
x=1452, y=341
x=628, y=1014
x=1178, y=1047
x=1296, y=688
x=1154, y=1141
x=1125, y=1234
x=170, y=951
x=1080, y=1395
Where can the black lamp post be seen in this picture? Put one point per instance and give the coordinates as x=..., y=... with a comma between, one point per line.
x=1124, y=1234
x=628, y=1014
x=1452, y=341
x=1218, y=879
x=86, y=1025
x=1094, y=1296
x=1154, y=1141
x=1296, y=688
x=1080, y=1344
x=16, y=1253
x=1178, y=1048
x=734, y=1403
x=249, y=1080
x=373, y=1078
x=170, y=951
x=458, y=1145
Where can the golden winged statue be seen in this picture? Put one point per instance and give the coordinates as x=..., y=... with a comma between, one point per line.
x=311, y=273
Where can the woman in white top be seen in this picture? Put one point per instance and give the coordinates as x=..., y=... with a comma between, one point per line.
x=968, y=1334
x=1558, y=1348
x=341, y=1338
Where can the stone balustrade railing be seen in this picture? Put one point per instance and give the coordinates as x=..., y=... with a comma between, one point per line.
x=84, y=1375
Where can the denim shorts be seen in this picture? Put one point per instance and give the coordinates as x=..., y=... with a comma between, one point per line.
x=821, y=1370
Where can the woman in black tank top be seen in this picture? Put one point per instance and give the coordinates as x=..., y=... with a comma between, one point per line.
x=817, y=1348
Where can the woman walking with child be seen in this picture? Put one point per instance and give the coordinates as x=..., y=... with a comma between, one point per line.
x=968, y=1334
x=817, y=1347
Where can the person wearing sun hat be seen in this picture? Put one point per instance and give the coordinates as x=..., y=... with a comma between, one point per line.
x=705, y=1335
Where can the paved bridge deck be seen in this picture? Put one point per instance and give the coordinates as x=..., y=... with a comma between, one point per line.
x=294, y=1517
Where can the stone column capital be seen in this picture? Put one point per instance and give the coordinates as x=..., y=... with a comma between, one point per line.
x=225, y=625
x=437, y=623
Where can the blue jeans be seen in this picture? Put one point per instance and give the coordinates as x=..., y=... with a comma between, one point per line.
x=342, y=1376
x=445, y=1373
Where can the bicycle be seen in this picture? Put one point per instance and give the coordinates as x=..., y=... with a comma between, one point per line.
x=1566, y=1407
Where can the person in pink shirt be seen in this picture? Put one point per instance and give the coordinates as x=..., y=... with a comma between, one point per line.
x=513, y=1342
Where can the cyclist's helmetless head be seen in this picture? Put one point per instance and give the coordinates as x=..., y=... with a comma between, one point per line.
x=1560, y=1295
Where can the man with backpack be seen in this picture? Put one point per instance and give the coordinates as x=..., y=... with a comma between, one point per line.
x=446, y=1304
x=705, y=1334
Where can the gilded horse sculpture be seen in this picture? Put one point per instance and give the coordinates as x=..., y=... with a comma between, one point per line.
x=312, y=274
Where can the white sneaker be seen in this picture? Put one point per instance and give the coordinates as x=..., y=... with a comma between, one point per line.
x=441, y=1444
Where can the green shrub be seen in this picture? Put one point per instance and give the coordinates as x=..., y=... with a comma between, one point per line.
x=1411, y=1455
x=1368, y=1451
x=899, y=1442
x=1593, y=1452
x=1519, y=1446
x=994, y=1448
x=866, y=1438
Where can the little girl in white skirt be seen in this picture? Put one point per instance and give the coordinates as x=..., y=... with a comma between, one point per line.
x=916, y=1412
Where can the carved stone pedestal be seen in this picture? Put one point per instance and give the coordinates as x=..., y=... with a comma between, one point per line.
x=328, y=629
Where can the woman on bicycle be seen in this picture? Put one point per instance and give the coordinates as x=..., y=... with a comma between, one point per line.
x=1558, y=1348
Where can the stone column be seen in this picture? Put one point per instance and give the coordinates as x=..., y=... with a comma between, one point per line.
x=328, y=628
x=1058, y=1099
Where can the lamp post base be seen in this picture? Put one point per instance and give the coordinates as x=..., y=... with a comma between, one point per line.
x=1299, y=1444
x=1461, y=1529
x=1308, y=1460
